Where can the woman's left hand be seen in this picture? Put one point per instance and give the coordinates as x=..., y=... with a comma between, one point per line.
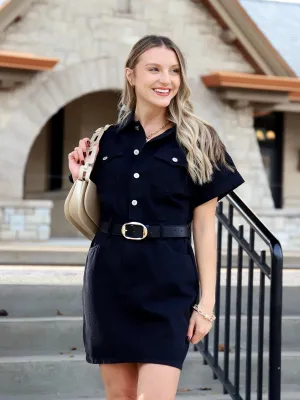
x=198, y=327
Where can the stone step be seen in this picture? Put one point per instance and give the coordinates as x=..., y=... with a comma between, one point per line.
x=290, y=371
x=53, y=374
x=55, y=335
x=65, y=376
x=72, y=252
x=41, y=291
x=180, y=396
x=48, y=300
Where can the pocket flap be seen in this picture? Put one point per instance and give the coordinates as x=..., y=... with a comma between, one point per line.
x=174, y=157
x=106, y=156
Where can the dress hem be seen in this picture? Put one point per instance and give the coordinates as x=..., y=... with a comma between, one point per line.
x=141, y=360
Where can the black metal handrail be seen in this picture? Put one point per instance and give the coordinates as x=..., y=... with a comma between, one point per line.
x=273, y=271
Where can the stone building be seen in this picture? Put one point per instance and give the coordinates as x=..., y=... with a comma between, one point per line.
x=61, y=72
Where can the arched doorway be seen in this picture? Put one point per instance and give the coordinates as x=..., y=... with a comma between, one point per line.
x=46, y=172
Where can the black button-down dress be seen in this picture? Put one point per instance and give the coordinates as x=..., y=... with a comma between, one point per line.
x=138, y=295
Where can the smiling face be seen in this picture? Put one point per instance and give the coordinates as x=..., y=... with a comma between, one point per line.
x=156, y=77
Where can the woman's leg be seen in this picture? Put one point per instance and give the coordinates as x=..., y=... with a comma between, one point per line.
x=120, y=380
x=157, y=382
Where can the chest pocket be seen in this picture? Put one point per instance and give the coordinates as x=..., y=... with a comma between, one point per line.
x=170, y=169
x=110, y=167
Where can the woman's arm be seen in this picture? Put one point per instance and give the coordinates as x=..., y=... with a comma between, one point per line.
x=204, y=235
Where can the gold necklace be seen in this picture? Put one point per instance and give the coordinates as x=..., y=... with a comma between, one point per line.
x=154, y=133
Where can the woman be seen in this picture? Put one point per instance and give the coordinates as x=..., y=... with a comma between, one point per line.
x=160, y=169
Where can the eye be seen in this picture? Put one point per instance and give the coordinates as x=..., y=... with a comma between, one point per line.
x=176, y=70
x=153, y=69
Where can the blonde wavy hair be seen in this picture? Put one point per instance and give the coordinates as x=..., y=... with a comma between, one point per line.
x=204, y=149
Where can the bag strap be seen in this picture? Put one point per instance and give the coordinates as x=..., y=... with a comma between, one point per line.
x=91, y=154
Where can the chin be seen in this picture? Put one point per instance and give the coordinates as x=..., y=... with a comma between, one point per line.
x=161, y=103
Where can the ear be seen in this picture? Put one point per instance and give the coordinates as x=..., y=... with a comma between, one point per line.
x=129, y=76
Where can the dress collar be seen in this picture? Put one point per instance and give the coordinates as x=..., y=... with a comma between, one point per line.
x=131, y=122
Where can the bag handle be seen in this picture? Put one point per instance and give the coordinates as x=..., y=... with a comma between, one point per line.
x=91, y=154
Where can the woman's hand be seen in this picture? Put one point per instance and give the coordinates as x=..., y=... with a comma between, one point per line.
x=198, y=327
x=76, y=157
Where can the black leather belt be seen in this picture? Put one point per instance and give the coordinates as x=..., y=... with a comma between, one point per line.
x=139, y=231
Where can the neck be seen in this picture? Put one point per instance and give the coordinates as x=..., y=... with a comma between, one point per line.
x=151, y=118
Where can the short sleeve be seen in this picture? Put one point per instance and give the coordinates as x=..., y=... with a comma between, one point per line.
x=223, y=182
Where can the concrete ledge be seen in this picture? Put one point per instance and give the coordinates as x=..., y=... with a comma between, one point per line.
x=26, y=203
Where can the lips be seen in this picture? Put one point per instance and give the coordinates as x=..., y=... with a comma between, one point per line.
x=162, y=92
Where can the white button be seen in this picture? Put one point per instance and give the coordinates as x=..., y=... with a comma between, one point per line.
x=137, y=128
x=136, y=152
x=136, y=175
x=134, y=202
x=105, y=158
x=174, y=159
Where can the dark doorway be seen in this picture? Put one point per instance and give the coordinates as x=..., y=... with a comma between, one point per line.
x=269, y=133
x=56, y=141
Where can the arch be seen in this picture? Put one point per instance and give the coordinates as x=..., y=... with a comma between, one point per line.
x=41, y=102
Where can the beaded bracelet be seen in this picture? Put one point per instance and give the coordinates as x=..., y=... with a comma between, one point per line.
x=205, y=316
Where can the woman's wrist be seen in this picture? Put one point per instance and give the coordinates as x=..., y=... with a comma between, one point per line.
x=208, y=316
x=207, y=306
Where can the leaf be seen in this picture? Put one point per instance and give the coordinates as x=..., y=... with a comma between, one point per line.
x=58, y=312
x=222, y=347
x=74, y=348
x=181, y=390
x=3, y=313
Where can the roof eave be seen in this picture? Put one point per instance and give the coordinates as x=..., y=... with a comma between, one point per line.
x=247, y=36
x=18, y=68
x=12, y=9
x=261, y=91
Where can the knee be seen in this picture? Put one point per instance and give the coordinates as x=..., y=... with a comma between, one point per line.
x=122, y=394
x=127, y=395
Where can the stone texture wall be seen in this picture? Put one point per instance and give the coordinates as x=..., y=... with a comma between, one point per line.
x=92, y=42
x=291, y=155
x=25, y=220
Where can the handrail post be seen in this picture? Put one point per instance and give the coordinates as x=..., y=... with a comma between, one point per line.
x=272, y=271
x=275, y=324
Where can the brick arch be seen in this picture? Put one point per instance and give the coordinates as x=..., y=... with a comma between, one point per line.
x=43, y=100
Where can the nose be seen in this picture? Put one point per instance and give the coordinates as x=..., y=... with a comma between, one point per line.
x=165, y=78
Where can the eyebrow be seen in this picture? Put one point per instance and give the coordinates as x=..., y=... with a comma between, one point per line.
x=175, y=65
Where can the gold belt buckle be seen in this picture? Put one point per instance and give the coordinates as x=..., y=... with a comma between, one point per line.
x=145, y=230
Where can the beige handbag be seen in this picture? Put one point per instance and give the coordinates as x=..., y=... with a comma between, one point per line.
x=82, y=207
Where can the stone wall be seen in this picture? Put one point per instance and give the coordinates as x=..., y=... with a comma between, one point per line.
x=25, y=220
x=291, y=165
x=92, y=42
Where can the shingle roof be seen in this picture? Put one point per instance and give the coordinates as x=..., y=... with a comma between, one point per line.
x=280, y=22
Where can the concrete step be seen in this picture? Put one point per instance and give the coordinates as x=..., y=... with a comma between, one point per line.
x=72, y=251
x=52, y=252
x=41, y=375
x=47, y=300
x=66, y=376
x=23, y=301
x=41, y=291
x=55, y=335
x=180, y=396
